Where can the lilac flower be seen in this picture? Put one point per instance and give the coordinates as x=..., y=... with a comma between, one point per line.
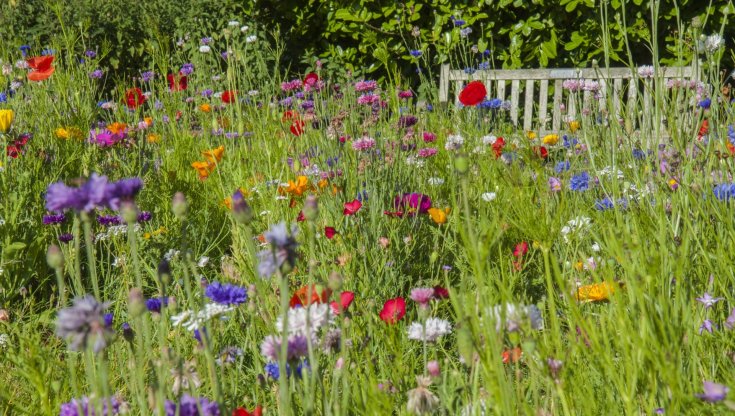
x=90, y=54
x=707, y=325
x=297, y=347
x=110, y=406
x=190, y=406
x=363, y=144
x=83, y=325
x=422, y=295
x=89, y=196
x=226, y=294
x=554, y=184
x=707, y=300
x=147, y=76
x=730, y=322
x=186, y=69
x=53, y=219
x=282, y=254
x=713, y=392
x=96, y=74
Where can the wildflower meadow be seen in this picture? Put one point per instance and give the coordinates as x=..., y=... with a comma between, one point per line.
x=222, y=235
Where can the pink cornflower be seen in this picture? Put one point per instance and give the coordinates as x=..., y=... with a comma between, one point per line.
x=368, y=99
x=429, y=137
x=365, y=143
x=422, y=295
x=405, y=94
x=427, y=152
x=365, y=86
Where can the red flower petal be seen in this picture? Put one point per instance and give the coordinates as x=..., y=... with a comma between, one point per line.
x=351, y=208
x=297, y=127
x=311, y=78
x=40, y=63
x=440, y=293
x=473, y=93
x=228, y=97
x=393, y=310
x=134, y=98
x=329, y=232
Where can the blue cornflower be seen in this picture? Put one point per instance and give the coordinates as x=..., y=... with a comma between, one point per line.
x=486, y=53
x=580, y=182
x=48, y=51
x=459, y=22
x=562, y=166
x=569, y=143
x=724, y=191
x=469, y=70
x=155, y=304
x=731, y=134
x=24, y=50
x=429, y=107
x=491, y=104
x=604, y=204
x=705, y=104
x=465, y=32
x=362, y=196
x=639, y=154
x=416, y=53
x=107, y=318
x=272, y=371
x=622, y=203
x=3, y=97
x=226, y=294
x=483, y=66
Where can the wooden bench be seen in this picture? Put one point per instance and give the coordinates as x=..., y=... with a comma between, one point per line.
x=530, y=89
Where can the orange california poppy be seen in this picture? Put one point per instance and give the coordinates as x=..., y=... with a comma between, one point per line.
x=41, y=66
x=117, y=127
x=214, y=155
x=203, y=168
x=319, y=294
x=595, y=292
x=512, y=355
x=296, y=188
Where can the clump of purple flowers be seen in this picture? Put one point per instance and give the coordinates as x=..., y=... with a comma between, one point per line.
x=190, y=406
x=226, y=294
x=97, y=192
x=53, y=219
x=105, y=137
x=83, y=324
x=282, y=254
x=110, y=406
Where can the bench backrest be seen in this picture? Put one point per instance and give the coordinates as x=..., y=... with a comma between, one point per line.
x=529, y=91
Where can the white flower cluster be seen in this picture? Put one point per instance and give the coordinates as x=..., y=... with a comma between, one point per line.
x=307, y=321
x=194, y=320
x=454, y=142
x=576, y=225
x=434, y=329
x=514, y=316
x=116, y=230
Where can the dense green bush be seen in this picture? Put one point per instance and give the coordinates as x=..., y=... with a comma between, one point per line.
x=375, y=37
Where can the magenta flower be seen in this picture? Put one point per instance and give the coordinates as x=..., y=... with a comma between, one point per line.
x=427, y=152
x=412, y=203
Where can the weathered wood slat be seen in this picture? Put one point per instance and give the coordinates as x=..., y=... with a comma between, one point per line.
x=528, y=106
x=603, y=94
x=444, y=84
x=543, y=102
x=514, y=92
x=501, y=89
x=617, y=88
x=632, y=98
x=458, y=88
x=556, y=122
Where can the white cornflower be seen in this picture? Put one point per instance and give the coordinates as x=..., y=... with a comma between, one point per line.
x=454, y=142
x=116, y=230
x=415, y=161
x=489, y=196
x=205, y=49
x=171, y=254
x=253, y=93
x=434, y=329
x=609, y=171
x=245, y=28
x=575, y=225
x=203, y=261
x=595, y=247
x=119, y=261
x=645, y=71
x=489, y=139
x=318, y=315
x=233, y=23
x=191, y=321
x=4, y=340
x=713, y=42
x=514, y=316
x=251, y=39
x=436, y=181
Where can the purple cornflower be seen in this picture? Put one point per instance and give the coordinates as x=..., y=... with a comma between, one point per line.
x=713, y=392
x=415, y=53
x=580, y=182
x=730, y=322
x=226, y=294
x=562, y=166
x=407, y=121
x=53, y=219
x=96, y=74
x=66, y=237
x=89, y=196
x=108, y=220
x=604, y=204
x=83, y=325
x=110, y=406
x=297, y=347
x=707, y=300
x=282, y=253
x=90, y=54
x=190, y=406
x=186, y=69
x=108, y=317
x=144, y=216
x=155, y=304
x=123, y=190
x=147, y=76
x=707, y=325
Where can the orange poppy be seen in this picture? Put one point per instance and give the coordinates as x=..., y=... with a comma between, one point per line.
x=214, y=155
x=595, y=292
x=41, y=66
x=296, y=188
x=512, y=355
x=319, y=294
x=117, y=127
x=203, y=168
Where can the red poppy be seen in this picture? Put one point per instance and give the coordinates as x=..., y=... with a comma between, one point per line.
x=498, y=146
x=13, y=151
x=473, y=93
x=521, y=249
x=704, y=129
x=345, y=300
x=177, y=82
x=440, y=293
x=351, y=208
x=301, y=217
x=41, y=66
x=228, y=97
x=540, y=151
x=393, y=310
x=134, y=98
x=329, y=232
x=179, y=114
x=242, y=412
x=311, y=78
x=730, y=148
x=289, y=115
x=396, y=214
x=319, y=294
x=512, y=355
x=297, y=127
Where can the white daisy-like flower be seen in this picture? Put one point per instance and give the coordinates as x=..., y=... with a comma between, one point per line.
x=251, y=39
x=415, y=161
x=233, y=23
x=574, y=226
x=203, y=261
x=116, y=230
x=307, y=320
x=609, y=172
x=489, y=196
x=244, y=28
x=436, y=181
x=713, y=42
x=595, y=247
x=205, y=49
x=434, y=329
x=454, y=142
x=489, y=139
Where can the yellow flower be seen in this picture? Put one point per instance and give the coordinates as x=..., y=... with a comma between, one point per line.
x=595, y=292
x=214, y=155
x=551, y=139
x=205, y=108
x=62, y=133
x=439, y=216
x=531, y=135
x=153, y=138
x=6, y=119
x=574, y=126
x=148, y=121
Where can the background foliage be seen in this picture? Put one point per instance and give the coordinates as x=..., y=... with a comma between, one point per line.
x=373, y=37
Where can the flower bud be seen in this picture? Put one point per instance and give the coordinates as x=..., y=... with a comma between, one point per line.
x=129, y=212
x=164, y=271
x=136, y=302
x=311, y=207
x=241, y=209
x=335, y=281
x=179, y=205
x=54, y=257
